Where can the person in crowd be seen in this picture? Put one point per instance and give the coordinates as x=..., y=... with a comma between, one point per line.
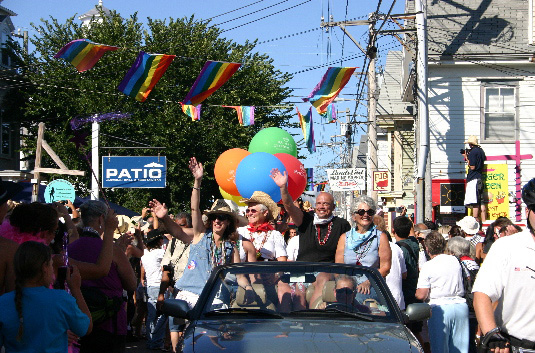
x=98, y=220
x=431, y=225
x=320, y=230
x=460, y=248
x=493, y=233
x=268, y=243
x=174, y=263
x=420, y=232
x=292, y=249
x=365, y=245
x=403, y=233
x=211, y=244
x=441, y=284
x=35, y=318
x=506, y=278
x=151, y=276
x=470, y=228
x=8, y=247
x=475, y=157
x=445, y=231
x=398, y=268
x=455, y=231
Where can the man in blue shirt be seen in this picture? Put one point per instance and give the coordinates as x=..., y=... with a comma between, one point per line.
x=475, y=157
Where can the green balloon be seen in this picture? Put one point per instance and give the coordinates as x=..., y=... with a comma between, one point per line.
x=273, y=140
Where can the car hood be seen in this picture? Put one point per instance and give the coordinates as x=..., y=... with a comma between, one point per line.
x=302, y=335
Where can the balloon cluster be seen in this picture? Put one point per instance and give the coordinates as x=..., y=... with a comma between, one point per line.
x=239, y=173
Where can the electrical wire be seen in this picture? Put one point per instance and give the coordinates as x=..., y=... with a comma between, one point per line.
x=239, y=8
x=251, y=13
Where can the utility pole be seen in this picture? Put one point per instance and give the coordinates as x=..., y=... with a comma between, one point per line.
x=95, y=165
x=24, y=164
x=372, y=110
x=423, y=113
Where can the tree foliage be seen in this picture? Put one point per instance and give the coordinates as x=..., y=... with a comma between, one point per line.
x=56, y=93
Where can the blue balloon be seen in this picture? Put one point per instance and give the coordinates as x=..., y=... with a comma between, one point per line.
x=253, y=174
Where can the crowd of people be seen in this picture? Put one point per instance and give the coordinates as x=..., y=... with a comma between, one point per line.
x=118, y=271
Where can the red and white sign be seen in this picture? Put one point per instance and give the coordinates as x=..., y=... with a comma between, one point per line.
x=381, y=181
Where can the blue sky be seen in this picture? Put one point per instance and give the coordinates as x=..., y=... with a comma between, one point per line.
x=307, y=50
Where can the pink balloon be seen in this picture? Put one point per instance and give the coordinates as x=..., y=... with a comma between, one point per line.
x=297, y=175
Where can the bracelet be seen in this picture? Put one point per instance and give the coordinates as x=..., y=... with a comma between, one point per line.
x=196, y=188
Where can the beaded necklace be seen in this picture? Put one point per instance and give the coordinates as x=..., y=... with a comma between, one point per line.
x=258, y=253
x=318, y=231
x=216, y=254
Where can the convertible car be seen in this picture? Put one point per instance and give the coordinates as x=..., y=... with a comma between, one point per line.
x=297, y=307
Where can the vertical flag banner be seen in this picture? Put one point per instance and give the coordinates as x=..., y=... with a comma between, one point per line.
x=194, y=112
x=329, y=87
x=310, y=179
x=330, y=114
x=245, y=114
x=144, y=75
x=83, y=54
x=308, y=129
x=212, y=76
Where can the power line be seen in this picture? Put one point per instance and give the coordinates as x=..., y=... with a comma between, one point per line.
x=239, y=8
x=251, y=13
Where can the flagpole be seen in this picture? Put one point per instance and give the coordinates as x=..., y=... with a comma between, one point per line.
x=94, y=160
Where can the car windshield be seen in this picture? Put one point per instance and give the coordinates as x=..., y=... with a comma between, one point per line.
x=279, y=289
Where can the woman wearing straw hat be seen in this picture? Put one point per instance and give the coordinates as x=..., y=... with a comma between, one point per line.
x=268, y=243
x=212, y=244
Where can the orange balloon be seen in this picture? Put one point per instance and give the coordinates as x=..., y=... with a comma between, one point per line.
x=225, y=169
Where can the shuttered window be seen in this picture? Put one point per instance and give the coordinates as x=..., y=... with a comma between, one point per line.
x=499, y=113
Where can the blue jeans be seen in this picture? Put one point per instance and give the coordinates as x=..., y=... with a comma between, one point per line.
x=156, y=325
x=449, y=329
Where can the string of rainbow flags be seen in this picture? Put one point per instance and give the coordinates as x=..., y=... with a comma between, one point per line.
x=148, y=68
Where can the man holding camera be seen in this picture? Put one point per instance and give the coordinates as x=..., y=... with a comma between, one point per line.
x=475, y=157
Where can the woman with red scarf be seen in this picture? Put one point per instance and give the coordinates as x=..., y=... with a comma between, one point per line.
x=268, y=243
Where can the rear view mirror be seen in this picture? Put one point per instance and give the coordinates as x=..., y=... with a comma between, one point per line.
x=418, y=312
x=176, y=308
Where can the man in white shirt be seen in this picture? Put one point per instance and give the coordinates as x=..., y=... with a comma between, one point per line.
x=508, y=277
x=398, y=271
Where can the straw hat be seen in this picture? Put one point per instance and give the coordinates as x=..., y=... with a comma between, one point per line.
x=125, y=225
x=228, y=207
x=469, y=225
x=264, y=199
x=472, y=140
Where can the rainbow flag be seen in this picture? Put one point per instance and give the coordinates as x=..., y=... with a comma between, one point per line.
x=308, y=129
x=329, y=87
x=245, y=114
x=83, y=54
x=144, y=75
x=212, y=76
x=310, y=179
x=194, y=112
x=330, y=114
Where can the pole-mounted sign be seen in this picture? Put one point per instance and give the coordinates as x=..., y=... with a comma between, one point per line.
x=134, y=172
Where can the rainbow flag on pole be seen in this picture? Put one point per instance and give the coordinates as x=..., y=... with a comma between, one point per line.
x=83, y=54
x=144, y=74
x=245, y=114
x=194, y=112
x=212, y=76
x=308, y=129
x=329, y=87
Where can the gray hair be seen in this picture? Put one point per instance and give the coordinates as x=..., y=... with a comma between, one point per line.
x=346, y=278
x=459, y=246
x=366, y=200
x=92, y=210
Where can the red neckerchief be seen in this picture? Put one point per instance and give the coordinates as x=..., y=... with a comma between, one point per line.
x=264, y=227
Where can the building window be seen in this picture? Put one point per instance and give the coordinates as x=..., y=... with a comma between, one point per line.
x=499, y=110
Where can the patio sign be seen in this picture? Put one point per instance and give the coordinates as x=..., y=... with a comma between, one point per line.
x=134, y=172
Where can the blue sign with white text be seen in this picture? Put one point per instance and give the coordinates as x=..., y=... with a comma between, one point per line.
x=134, y=172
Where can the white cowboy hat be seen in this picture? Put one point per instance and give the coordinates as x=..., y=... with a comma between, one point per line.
x=264, y=199
x=469, y=225
x=472, y=140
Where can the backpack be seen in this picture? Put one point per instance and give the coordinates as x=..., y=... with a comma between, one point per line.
x=101, y=306
x=468, y=284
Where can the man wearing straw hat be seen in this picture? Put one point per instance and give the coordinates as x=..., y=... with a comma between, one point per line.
x=475, y=157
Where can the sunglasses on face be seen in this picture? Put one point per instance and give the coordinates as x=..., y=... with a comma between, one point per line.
x=250, y=210
x=221, y=217
x=361, y=212
x=344, y=291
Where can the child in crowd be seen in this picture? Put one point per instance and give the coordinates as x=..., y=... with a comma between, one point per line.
x=35, y=318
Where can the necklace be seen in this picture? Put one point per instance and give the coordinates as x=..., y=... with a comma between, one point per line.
x=258, y=254
x=318, y=231
x=216, y=257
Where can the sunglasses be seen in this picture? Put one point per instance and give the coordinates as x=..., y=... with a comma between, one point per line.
x=221, y=217
x=361, y=212
x=345, y=290
x=250, y=210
